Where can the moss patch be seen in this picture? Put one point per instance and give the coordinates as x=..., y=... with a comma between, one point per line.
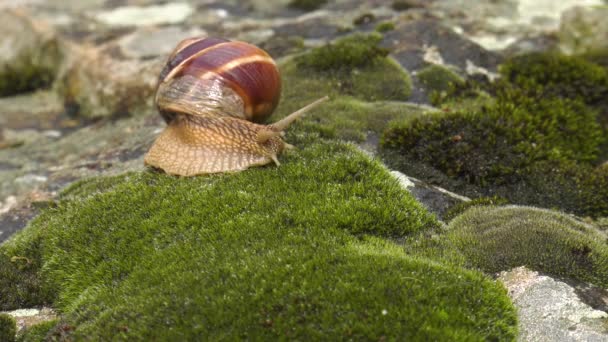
x=40, y=332
x=385, y=26
x=533, y=137
x=499, y=143
x=358, y=50
x=35, y=70
x=558, y=75
x=8, y=328
x=348, y=115
x=269, y=253
x=307, y=5
x=499, y=238
x=436, y=78
x=481, y=201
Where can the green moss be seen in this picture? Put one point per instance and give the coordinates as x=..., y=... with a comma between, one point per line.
x=354, y=51
x=498, y=144
x=271, y=253
x=8, y=327
x=402, y=5
x=347, y=116
x=364, y=18
x=38, y=332
x=21, y=286
x=34, y=71
x=593, y=192
x=558, y=75
x=436, y=78
x=307, y=5
x=499, y=238
x=598, y=56
x=385, y=26
x=461, y=207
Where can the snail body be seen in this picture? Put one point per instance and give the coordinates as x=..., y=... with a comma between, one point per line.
x=212, y=93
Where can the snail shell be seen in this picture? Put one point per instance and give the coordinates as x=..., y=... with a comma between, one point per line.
x=211, y=93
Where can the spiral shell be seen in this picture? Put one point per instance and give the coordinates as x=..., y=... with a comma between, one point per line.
x=212, y=76
x=211, y=92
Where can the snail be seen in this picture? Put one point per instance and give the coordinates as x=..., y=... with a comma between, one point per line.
x=213, y=93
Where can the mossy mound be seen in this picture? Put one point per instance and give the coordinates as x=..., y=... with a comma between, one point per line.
x=438, y=79
x=358, y=50
x=271, y=253
x=499, y=238
x=30, y=71
x=8, y=328
x=353, y=66
x=500, y=143
x=385, y=26
x=40, y=332
x=461, y=207
x=558, y=75
x=306, y=5
x=348, y=115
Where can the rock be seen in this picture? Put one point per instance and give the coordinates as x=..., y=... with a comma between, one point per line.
x=551, y=310
x=419, y=43
x=171, y=13
x=152, y=42
x=584, y=29
x=30, y=53
x=437, y=200
x=28, y=317
x=100, y=82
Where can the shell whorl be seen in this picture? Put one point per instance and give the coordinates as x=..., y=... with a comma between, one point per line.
x=217, y=77
x=209, y=92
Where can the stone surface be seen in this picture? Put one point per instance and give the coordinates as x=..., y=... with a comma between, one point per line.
x=30, y=52
x=584, y=29
x=100, y=83
x=171, y=13
x=27, y=317
x=551, y=310
x=434, y=198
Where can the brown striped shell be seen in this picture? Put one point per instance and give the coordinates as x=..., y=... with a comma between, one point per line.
x=209, y=92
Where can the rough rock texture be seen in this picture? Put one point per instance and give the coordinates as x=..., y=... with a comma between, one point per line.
x=551, y=310
x=28, y=317
x=584, y=29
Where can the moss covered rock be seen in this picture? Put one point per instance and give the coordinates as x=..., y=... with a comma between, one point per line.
x=39, y=332
x=558, y=75
x=439, y=79
x=307, y=5
x=8, y=328
x=499, y=238
x=30, y=54
x=349, y=115
x=270, y=253
x=461, y=207
x=358, y=50
x=354, y=66
x=499, y=143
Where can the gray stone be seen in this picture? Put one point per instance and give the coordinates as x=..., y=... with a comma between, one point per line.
x=152, y=42
x=584, y=29
x=29, y=50
x=419, y=43
x=100, y=83
x=27, y=317
x=170, y=13
x=435, y=199
x=551, y=310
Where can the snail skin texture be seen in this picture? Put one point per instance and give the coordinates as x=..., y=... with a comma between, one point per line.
x=211, y=93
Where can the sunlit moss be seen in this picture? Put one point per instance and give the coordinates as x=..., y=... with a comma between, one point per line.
x=499, y=238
